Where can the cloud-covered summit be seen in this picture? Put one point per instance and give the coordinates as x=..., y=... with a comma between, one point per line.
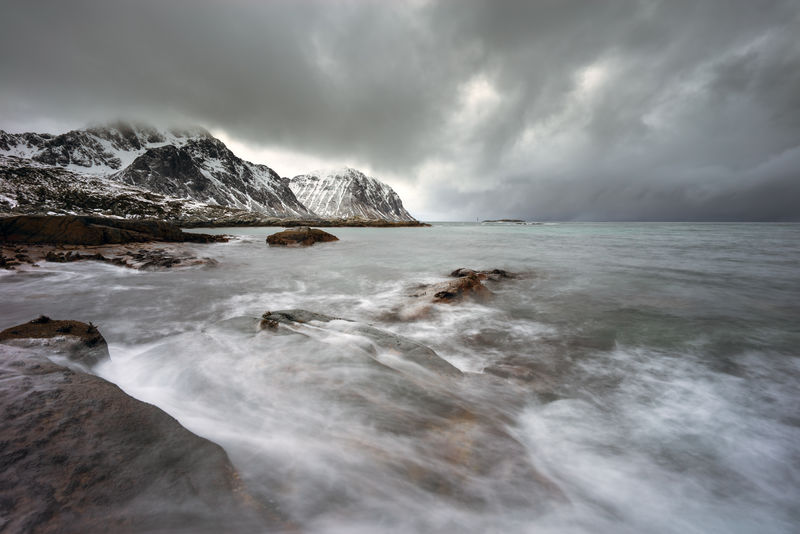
x=621, y=109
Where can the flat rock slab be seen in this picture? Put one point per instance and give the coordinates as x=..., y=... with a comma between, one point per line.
x=300, y=237
x=74, y=340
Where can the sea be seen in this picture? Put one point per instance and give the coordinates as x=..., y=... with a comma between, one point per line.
x=630, y=378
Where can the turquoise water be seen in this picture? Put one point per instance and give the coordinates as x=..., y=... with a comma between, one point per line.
x=661, y=386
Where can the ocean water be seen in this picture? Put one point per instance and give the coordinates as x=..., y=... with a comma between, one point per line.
x=633, y=378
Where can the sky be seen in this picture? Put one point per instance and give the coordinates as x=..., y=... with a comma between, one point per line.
x=538, y=109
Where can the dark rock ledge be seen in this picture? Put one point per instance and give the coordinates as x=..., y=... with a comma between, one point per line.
x=138, y=244
x=79, y=455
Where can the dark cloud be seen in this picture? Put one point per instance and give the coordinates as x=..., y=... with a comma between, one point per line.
x=554, y=109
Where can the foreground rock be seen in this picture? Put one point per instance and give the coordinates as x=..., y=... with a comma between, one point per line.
x=302, y=236
x=79, y=455
x=87, y=230
x=76, y=341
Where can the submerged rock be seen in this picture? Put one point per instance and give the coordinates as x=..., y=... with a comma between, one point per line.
x=401, y=347
x=74, y=340
x=301, y=236
x=424, y=429
x=80, y=455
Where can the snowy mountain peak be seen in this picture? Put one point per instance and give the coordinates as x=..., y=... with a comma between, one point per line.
x=348, y=193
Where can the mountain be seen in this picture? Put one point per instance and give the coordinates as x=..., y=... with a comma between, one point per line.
x=29, y=187
x=187, y=163
x=348, y=193
x=182, y=175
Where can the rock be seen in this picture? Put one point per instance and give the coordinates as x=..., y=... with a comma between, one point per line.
x=401, y=347
x=493, y=275
x=76, y=341
x=143, y=256
x=301, y=236
x=468, y=286
x=79, y=455
x=86, y=230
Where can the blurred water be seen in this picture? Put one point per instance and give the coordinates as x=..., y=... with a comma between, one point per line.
x=662, y=395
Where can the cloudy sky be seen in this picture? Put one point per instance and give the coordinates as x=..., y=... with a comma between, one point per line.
x=539, y=109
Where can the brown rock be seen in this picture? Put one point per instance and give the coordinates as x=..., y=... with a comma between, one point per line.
x=302, y=236
x=468, y=286
x=77, y=341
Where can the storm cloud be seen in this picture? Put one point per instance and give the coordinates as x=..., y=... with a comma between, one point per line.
x=552, y=109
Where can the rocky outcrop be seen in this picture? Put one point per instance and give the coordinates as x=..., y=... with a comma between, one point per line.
x=87, y=230
x=79, y=455
x=301, y=236
x=76, y=341
x=348, y=193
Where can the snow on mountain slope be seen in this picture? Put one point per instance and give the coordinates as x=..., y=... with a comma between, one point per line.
x=28, y=187
x=348, y=193
x=180, y=163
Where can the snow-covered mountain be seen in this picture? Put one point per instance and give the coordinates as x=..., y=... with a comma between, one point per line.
x=188, y=164
x=30, y=187
x=348, y=193
x=140, y=171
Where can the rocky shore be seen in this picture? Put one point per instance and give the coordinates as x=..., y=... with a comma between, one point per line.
x=138, y=244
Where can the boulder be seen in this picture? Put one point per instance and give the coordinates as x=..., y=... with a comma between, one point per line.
x=79, y=455
x=76, y=341
x=301, y=236
x=88, y=230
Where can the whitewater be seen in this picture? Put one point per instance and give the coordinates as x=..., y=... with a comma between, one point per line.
x=634, y=377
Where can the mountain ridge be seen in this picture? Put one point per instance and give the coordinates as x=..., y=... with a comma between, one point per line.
x=181, y=165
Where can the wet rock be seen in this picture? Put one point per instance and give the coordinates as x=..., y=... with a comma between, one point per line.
x=493, y=274
x=76, y=341
x=143, y=256
x=385, y=342
x=468, y=286
x=79, y=455
x=301, y=236
x=86, y=230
